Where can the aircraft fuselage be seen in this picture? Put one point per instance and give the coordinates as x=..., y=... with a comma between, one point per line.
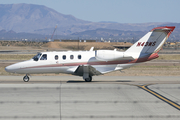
x=68, y=62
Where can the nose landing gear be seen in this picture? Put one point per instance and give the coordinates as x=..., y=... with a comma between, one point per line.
x=26, y=78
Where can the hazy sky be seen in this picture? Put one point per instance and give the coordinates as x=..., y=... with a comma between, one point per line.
x=122, y=11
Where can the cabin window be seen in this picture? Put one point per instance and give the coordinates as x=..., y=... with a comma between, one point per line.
x=64, y=57
x=71, y=57
x=79, y=56
x=56, y=57
x=44, y=57
x=36, y=58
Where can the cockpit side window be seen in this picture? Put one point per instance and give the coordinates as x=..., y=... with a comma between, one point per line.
x=44, y=57
x=36, y=57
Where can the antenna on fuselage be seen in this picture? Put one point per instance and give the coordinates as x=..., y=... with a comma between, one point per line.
x=92, y=48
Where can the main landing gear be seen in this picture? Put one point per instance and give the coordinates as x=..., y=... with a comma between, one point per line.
x=26, y=78
x=89, y=79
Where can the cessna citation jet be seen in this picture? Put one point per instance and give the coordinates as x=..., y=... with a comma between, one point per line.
x=90, y=63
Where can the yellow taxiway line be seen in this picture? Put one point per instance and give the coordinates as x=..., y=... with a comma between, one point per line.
x=170, y=102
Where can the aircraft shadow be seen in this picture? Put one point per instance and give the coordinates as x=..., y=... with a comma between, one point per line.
x=75, y=81
x=124, y=81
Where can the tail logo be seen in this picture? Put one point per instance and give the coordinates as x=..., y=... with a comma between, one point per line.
x=146, y=44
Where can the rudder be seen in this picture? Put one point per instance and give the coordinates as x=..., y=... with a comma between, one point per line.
x=153, y=41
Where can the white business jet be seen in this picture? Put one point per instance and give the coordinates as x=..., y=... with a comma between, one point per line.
x=91, y=63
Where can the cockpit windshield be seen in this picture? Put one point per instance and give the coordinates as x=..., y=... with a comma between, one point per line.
x=36, y=58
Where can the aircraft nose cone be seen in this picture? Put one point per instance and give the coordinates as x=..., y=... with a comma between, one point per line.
x=15, y=68
x=11, y=68
x=8, y=69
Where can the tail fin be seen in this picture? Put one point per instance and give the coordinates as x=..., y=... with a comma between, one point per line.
x=153, y=41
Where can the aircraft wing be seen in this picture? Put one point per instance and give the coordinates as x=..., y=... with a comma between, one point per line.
x=83, y=69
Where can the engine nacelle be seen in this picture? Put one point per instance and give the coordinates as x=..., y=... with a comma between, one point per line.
x=108, y=55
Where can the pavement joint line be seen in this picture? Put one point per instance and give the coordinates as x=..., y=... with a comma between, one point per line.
x=161, y=97
x=155, y=78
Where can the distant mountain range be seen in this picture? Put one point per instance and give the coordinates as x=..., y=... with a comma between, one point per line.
x=18, y=19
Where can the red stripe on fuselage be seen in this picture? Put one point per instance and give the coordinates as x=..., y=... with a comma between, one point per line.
x=139, y=60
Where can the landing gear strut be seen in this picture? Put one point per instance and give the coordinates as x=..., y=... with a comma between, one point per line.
x=26, y=78
x=88, y=79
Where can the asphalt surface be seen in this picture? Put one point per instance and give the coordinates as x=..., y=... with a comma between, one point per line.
x=106, y=97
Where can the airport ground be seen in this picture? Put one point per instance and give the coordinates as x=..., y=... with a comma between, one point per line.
x=148, y=91
x=106, y=97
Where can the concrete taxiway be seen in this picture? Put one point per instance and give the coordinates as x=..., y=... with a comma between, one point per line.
x=106, y=97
